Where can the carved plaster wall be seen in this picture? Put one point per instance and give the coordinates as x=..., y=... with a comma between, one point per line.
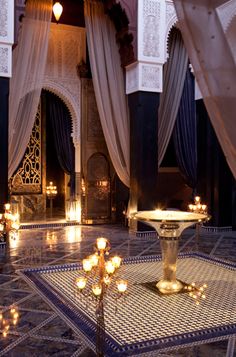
x=67, y=47
x=155, y=18
x=6, y=36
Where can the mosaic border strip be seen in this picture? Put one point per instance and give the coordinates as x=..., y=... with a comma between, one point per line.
x=79, y=320
x=49, y=225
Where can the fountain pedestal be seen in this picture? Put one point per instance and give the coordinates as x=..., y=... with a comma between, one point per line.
x=169, y=226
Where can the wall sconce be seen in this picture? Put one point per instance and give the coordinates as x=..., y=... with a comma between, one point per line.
x=57, y=10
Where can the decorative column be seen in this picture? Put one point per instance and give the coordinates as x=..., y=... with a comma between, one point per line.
x=143, y=85
x=6, y=42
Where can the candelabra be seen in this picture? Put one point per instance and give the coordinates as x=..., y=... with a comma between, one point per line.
x=8, y=318
x=197, y=207
x=51, y=192
x=9, y=223
x=98, y=282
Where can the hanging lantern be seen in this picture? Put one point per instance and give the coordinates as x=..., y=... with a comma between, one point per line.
x=57, y=10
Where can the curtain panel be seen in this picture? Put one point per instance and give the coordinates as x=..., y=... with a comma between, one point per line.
x=108, y=81
x=29, y=61
x=173, y=79
x=212, y=55
x=185, y=133
x=61, y=124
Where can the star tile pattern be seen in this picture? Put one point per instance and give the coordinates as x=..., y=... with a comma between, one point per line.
x=41, y=331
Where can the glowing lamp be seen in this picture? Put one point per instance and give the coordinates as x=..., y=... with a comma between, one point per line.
x=121, y=285
x=7, y=206
x=116, y=260
x=87, y=265
x=57, y=10
x=109, y=267
x=81, y=283
x=97, y=289
x=101, y=243
x=94, y=260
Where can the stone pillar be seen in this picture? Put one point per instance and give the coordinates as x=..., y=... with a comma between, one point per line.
x=143, y=152
x=143, y=85
x=6, y=42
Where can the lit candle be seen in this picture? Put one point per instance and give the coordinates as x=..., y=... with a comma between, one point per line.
x=81, y=283
x=121, y=285
x=97, y=289
x=109, y=267
x=204, y=207
x=87, y=265
x=101, y=243
x=197, y=199
x=116, y=260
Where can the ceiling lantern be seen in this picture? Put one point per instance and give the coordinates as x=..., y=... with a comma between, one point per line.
x=57, y=10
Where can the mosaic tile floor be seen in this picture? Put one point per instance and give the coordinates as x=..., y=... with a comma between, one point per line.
x=40, y=331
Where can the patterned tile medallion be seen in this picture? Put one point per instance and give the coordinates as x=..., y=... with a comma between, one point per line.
x=147, y=321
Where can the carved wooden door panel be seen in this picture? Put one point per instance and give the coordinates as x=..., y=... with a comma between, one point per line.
x=97, y=169
x=98, y=200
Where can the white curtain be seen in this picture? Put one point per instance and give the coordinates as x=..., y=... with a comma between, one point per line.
x=29, y=60
x=173, y=78
x=109, y=87
x=203, y=25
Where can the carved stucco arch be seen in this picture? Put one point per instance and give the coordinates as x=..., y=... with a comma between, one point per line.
x=71, y=104
x=173, y=21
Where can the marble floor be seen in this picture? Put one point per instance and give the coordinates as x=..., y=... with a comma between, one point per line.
x=40, y=332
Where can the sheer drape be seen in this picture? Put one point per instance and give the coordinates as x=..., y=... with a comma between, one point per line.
x=108, y=84
x=60, y=120
x=211, y=55
x=29, y=60
x=185, y=133
x=174, y=75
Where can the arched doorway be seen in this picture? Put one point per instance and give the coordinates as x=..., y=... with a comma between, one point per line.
x=60, y=152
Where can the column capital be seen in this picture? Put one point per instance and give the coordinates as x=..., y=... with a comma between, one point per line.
x=143, y=76
x=6, y=37
x=155, y=18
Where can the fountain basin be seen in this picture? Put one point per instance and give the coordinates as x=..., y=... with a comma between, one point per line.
x=169, y=226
